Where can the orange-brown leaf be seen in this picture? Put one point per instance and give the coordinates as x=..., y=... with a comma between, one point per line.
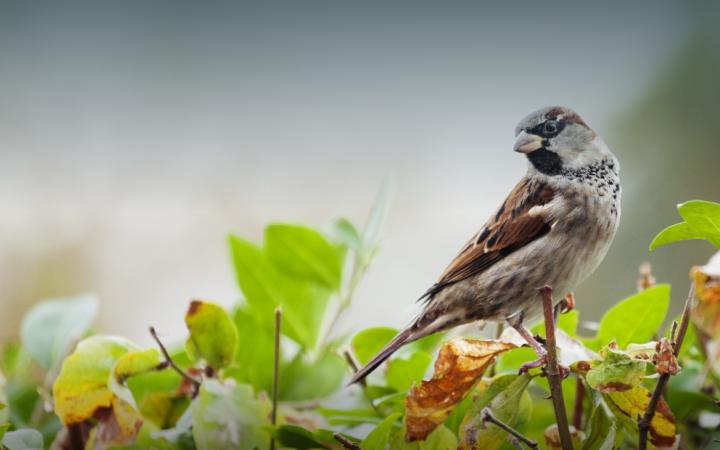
x=460, y=363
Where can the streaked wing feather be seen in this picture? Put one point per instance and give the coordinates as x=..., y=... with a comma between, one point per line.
x=513, y=226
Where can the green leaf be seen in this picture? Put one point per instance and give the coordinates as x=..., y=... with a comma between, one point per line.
x=702, y=221
x=504, y=396
x=52, y=326
x=295, y=437
x=303, y=303
x=24, y=439
x=440, y=439
x=304, y=253
x=3, y=429
x=370, y=341
x=229, y=416
x=135, y=363
x=403, y=373
x=634, y=319
x=676, y=232
x=307, y=380
x=616, y=371
x=213, y=336
x=254, y=357
x=704, y=218
x=380, y=436
x=603, y=430
x=568, y=322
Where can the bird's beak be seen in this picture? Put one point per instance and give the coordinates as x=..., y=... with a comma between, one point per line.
x=527, y=143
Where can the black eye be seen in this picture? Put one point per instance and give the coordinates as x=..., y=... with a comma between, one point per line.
x=550, y=128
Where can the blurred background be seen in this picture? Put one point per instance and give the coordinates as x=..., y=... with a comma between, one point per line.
x=134, y=136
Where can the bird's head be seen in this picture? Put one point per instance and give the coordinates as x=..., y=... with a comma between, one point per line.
x=556, y=138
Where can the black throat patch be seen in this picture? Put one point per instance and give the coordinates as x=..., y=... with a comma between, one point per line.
x=546, y=162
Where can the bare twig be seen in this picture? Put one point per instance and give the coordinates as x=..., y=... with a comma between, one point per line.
x=353, y=366
x=553, y=370
x=276, y=372
x=345, y=442
x=486, y=415
x=499, y=327
x=646, y=419
x=578, y=409
x=363, y=384
x=169, y=361
x=515, y=442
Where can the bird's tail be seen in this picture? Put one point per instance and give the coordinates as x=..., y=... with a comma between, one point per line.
x=404, y=337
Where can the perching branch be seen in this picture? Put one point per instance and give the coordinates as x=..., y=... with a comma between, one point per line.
x=646, y=419
x=486, y=415
x=168, y=360
x=363, y=383
x=276, y=372
x=578, y=409
x=345, y=442
x=553, y=371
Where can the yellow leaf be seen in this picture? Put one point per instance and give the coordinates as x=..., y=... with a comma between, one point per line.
x=631, y=404
x=458, y=366
x=82, y=385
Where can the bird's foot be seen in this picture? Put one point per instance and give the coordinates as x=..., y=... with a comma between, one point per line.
x=533, y=364
x=542, y=362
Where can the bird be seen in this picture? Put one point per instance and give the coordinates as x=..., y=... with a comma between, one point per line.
x=554, y=228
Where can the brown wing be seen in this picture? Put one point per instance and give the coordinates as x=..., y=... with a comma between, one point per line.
x=512, y=227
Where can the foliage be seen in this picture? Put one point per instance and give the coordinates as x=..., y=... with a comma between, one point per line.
x=66, y=386
x=701, y=220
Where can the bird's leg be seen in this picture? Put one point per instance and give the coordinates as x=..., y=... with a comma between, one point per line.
x=534, y=344
x=538, y=348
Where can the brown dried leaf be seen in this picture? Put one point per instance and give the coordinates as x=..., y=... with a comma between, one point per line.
x=664, y=358
x=458, y=366
x=705, y=312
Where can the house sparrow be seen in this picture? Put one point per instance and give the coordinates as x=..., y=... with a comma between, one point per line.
x=554, y=228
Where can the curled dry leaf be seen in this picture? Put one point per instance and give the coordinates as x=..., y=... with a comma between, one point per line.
x=705, y=313
x=664, y=358
x=458, y=366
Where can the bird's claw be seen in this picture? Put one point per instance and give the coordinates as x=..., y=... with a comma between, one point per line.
x=533, y=364
x=542, y=362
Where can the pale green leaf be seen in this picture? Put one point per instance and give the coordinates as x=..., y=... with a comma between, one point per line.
x=23, y=439
x=229, y=416
x=52, y=326
x=307, y=380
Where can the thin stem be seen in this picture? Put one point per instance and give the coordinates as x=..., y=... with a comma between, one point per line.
x=169, y=361
x=486, y=415
x=646, y=419
x=345, y=442
x=578, y=409
x=553, y=371
x=363, y=383
x=276, y=372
